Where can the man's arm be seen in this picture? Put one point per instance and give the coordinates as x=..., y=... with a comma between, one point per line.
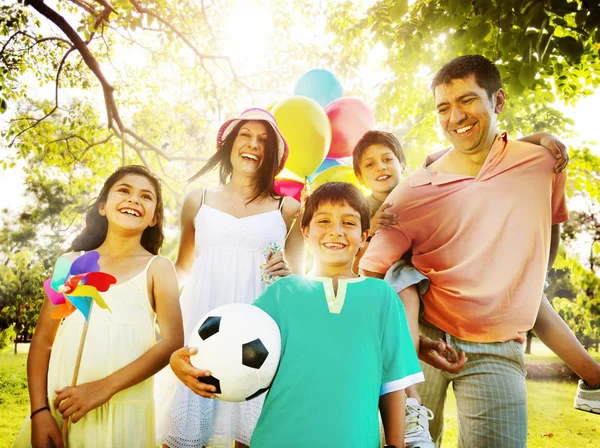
x=554, y=243
x=392, y=407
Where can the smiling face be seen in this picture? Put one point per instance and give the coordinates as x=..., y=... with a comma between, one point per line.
x=131, y=203
x=335, y=235
x=469, y=119
x=248, y=150
x=380, y=169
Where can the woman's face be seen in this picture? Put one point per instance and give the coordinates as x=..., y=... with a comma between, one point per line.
x=248, y=150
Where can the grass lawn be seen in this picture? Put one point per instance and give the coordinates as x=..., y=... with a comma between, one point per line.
x=550, y=407
x=14, y=400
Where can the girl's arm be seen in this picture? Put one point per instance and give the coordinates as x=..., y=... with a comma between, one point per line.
x=79, y=400
x=392, y=407
x=294, y=244
x=187, y=243
x=43, y=426
x=552, y=144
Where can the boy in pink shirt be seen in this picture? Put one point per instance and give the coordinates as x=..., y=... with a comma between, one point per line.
x=477, y=218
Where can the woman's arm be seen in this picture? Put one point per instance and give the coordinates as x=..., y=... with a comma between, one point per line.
x=43, y=426
x=294, y=244
x=392, y=407
x=187, y=243
x=79, y=400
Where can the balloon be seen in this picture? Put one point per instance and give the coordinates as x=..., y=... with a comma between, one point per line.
x=340, y=173
x=271, y=105
x=320, y=85
x=327, y=163
x=288, y=187
x=287, y=174
x=306, y=128
x=350, y=118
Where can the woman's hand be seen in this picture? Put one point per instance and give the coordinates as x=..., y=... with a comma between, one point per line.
x=558, y=150
x=79, y=400
x=188, y=374
x=44, y=431
x=276, y=265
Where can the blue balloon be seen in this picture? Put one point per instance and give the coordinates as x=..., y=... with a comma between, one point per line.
x=327, y=163
x=320, y=85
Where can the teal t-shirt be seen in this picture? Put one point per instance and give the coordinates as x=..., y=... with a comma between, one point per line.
x=339, y=353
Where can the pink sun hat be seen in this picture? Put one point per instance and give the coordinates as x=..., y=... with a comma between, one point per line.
x=256, y=114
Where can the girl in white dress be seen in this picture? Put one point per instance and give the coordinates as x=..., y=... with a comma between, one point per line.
x=224, y=232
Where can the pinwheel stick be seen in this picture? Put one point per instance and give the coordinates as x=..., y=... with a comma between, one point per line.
x=65, y=427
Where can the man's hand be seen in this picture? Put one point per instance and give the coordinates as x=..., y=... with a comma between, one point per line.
x=382, y=219
x=188, y=374
x=440, y=355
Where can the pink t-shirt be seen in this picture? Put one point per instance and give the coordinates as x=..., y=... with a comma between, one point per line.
x=483, y=241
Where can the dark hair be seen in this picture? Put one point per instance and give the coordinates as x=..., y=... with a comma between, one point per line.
x=486, y=73
x=338, y=193
x=376, y=138
x=263, y=185
x=96, y=225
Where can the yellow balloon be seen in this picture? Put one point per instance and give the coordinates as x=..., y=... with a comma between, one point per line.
x=271, y=105
x=287, y=174
x=340, y=173
x=305, y=126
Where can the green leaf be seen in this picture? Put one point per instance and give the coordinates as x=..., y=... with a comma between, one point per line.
x=570, y=47
x=3, y=105
x=399, y=8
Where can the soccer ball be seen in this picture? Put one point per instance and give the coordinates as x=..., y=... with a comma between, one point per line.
x=240, y=345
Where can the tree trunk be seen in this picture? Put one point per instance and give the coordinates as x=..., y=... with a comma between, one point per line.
x=528, y=344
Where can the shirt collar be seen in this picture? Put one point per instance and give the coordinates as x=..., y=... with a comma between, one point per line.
x=424, y=176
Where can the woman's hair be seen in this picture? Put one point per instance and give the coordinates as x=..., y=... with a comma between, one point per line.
x=337, y=193
x=263, y=185
x=96, y=225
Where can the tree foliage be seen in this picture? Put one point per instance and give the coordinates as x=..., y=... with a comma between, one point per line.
x=545, y=51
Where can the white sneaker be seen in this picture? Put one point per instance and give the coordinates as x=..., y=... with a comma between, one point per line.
x=417, y=425
x=587, y=398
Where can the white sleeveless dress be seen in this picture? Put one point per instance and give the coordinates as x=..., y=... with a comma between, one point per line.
x=229, y=252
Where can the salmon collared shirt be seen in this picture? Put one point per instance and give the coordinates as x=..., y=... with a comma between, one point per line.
x=483, y=241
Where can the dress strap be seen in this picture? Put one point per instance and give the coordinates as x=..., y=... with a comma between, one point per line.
x=281, y=202
x=149, y=263
x=203, y=196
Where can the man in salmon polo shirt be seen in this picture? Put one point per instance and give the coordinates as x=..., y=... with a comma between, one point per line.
x=478, y=220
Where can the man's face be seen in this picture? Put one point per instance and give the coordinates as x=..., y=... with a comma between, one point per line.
x=466, y=114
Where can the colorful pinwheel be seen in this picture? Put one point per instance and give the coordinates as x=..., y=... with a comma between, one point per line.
x=75, y=286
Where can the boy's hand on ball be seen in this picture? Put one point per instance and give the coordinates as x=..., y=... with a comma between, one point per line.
x=79, y=400
x=441, y=355
x=188, y=374
x=382, y=219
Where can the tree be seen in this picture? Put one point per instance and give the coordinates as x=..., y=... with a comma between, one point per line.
x=545, y=51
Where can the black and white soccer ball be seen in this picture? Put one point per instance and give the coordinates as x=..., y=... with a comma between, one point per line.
x=240, y=345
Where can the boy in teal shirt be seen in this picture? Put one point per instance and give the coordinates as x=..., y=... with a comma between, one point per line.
x=346, y=346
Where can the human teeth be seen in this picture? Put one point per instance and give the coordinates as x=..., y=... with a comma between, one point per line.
x=250, y=156
x=130, y=212
x=334, y=245
x=463, y=130
x=384, y=177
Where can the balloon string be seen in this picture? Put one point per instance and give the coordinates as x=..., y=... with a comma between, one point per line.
x=303, y=197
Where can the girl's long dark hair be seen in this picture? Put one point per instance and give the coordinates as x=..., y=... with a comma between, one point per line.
x=96, y=225
x=263, y=185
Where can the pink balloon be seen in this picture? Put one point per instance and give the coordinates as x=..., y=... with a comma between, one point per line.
x=288, y=187
x=350, y=118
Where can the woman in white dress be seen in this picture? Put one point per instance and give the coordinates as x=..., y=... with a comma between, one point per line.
x=224, y=232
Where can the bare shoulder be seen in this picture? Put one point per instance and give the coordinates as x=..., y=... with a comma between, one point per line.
x=193, y=199
x=162, y=266
x=70, y=256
